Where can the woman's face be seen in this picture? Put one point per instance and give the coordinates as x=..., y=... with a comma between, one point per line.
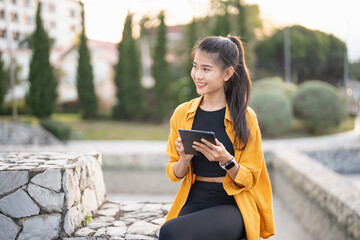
x=208, y=75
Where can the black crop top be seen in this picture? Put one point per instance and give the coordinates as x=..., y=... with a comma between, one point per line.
x=211, y=121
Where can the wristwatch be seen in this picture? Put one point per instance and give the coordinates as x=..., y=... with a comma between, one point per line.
x=230, y=164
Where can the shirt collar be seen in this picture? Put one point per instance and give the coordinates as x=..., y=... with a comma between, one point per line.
x=195, y=104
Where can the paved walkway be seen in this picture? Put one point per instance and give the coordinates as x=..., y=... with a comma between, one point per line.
x=287, y=226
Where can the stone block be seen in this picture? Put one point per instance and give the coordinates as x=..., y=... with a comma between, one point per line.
x=138, y=237
x=71, y=187
x=12, y=229
x=41, y=227
x=50, y=178
x=143, y=228
x=98, y=179
x=88, y=201
x=116, y=231
x=72, y=219
x=12, y=180
x=49, y=200
x=83, y=232
x=18, y=205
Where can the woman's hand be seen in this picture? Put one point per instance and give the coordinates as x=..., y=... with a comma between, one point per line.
x=213, y=152
x=181, y=167
x=180, y=148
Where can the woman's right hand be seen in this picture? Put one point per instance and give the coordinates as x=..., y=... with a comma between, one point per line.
x=180, y=148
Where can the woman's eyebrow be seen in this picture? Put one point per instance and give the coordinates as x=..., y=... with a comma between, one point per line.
x=204, y=65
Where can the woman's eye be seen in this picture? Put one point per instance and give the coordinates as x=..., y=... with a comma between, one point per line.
x=206, y=69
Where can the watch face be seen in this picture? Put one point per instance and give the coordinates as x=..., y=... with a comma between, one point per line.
x=230, y=165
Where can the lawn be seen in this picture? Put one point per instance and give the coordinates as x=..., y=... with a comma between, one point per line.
x=107, y=129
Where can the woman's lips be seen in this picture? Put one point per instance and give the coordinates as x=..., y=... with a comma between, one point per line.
x=201, y=85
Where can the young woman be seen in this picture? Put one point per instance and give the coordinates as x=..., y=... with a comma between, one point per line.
x=226, y=191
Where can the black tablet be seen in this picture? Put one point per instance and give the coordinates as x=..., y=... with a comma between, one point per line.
x=190, y=136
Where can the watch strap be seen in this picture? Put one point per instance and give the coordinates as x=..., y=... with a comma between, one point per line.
x=230, y=164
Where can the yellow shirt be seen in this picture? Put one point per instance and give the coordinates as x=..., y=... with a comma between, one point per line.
x=255, y=198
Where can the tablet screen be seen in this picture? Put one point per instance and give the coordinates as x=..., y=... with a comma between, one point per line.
x=189, y=136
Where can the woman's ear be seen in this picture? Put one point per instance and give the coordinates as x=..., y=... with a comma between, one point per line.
x=228, y=73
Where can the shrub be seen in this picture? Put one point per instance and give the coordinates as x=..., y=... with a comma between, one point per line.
x=58, y=129
x=319, y=105
x=276, y=83
x=273, y=109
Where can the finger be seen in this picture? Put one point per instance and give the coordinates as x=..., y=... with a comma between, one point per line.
x=207, y=143
x=202, y=148
x=217, y=142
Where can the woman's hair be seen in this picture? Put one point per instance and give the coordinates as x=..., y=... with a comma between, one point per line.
x=229, y=52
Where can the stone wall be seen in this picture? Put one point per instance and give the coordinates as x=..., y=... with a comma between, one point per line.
x=46, y=195
x=324, y=202
x=340, y=159
x=13, y=133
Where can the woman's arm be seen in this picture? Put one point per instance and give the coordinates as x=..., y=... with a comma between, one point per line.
x=180, y=168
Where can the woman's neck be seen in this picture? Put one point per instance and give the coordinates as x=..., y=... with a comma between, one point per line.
x=213, y=103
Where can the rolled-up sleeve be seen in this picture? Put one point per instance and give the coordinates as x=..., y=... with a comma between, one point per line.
x=250, y=160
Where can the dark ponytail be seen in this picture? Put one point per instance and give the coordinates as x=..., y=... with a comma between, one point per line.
x=230, y=53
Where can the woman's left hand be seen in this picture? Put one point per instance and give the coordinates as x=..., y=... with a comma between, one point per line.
x=213, y=152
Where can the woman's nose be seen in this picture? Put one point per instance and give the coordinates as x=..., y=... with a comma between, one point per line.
x=198, y=75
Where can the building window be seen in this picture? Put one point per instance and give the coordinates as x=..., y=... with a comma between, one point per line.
x=15, y=36
x=29, y=20
x=26, y=3
x=72, y=28
x=14, y=17
x=51, y=8
x=72, y=13
x=2, y=14
x=52, y=25
x=14, y=2
x=2, y=33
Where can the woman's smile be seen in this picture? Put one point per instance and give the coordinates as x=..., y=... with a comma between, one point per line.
x=200, y=85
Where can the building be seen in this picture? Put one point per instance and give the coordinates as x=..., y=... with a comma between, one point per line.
x=62, y=21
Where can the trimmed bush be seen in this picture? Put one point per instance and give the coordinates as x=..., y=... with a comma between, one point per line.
x=58, y=129
x=273, y=109
x=276, y=83
x=319, y=105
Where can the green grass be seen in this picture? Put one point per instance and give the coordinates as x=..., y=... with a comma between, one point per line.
x=298, y=129
x=104, y=129
x=107, y=129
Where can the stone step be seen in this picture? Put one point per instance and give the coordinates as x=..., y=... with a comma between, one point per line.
x=125, y=220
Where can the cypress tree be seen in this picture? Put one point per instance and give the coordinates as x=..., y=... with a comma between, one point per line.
x=85, y=78
x=130, y=93
x=161, y=74
x=243, y=28
x=222, y=25
x=3, y=82
x=192, y=30
x=42, y=93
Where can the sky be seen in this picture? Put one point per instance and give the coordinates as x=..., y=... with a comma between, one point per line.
x=104, y=19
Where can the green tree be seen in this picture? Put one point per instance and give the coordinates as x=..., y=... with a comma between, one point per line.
x=4, y=85
x=222, y=26
x=130, y=93
x=355, y=70
x=42, y=94
x=314, y=55
x=192, y=38
x=161, y=74
x=85, y=78
x=242, y=21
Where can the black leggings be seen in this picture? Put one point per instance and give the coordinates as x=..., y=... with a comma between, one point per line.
x=213, y=215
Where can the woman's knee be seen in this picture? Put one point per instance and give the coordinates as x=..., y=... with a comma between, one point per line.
x=167, y=231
